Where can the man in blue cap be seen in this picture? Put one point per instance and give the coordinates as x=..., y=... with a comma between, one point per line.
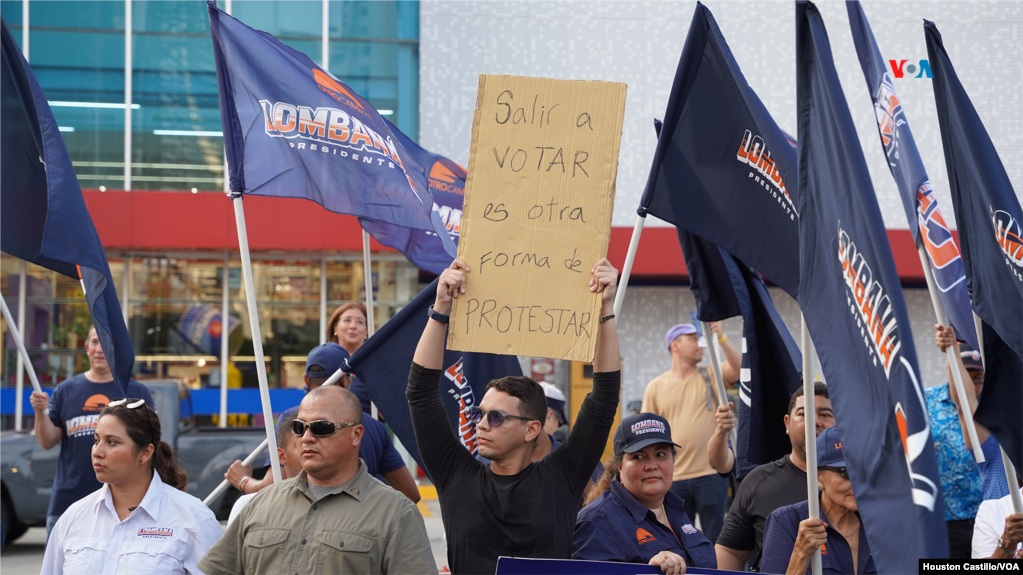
x=376, y=450
x=686, y=396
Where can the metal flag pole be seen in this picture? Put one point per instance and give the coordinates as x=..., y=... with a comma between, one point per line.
x=225, y=483
x=713, y=350
x=1010, y=469
x=257, y=338
x=19, y=382
x=950, y=353
x=21, y=347
x=810, y=435
x=225, y=324
x=367, y=272
x=630, y=258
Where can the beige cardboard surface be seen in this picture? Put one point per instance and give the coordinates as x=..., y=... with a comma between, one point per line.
x=537, y=215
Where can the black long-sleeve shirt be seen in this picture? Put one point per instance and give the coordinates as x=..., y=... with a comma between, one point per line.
x=529, y=514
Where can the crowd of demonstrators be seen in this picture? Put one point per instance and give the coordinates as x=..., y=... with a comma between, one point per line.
x=770, y=486
x=74, y=413
x=791, y=536
x=141, y=520
x=349, y=328
x=686, y=396
x=495, y=510
x=376, y=449
x=632, y=516
x=971, y=368
x=333, y=517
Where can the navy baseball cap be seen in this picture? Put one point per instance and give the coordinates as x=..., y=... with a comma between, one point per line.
x=829, y=448
x=971, y=357
x=330, y=356
x=641, y=430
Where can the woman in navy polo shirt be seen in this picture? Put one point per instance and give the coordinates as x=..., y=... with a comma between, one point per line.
x=790, y=537
x=631, y=516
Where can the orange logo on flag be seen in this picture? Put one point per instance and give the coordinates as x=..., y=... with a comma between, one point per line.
x=329, y=84
x=642, y=536
x=442, y=173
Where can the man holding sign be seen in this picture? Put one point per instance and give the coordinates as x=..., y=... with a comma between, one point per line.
x=513, y=507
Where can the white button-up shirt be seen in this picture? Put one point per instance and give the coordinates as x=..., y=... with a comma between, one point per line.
x=167, y=535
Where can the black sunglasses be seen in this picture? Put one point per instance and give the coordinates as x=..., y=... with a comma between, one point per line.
x=133, y=403
x=494, y=417
x=321, y=428
x=839, y=470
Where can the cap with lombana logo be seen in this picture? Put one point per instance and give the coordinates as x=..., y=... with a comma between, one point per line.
x=96, y=402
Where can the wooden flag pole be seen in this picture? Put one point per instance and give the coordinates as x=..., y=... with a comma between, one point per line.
x=367, y=272
x=257, y=338
x=716, y=366
x=810, y=435
x=1010, y=469
x=630, y=259
x=950, y=353
x=21, y=347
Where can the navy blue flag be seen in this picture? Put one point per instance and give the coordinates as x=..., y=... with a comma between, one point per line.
x=384, y=362
x=293, y=130
x=925, y=220
x=989, y=218
x=771, y=373
x=447, y=184
x=43, y=218
x=852, y=301
x=724, y=287
x=723, y=170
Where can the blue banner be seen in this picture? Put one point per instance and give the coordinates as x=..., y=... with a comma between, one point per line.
x=989, y=218
x=384, y=362
x=446, y=180
x=723, y=170
x=43, y=218
x=925, y=220
x=526, y=566
x=852, y=300
x=293, y=130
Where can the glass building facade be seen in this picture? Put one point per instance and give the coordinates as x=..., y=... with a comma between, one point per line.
x=77, y=50
x=133, y=87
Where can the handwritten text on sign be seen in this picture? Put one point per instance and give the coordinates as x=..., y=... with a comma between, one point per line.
x=537, y=215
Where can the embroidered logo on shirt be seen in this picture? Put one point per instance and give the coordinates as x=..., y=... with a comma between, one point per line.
x=824, y=550
x=155, y=532
x=688, y=528
x=642, y=536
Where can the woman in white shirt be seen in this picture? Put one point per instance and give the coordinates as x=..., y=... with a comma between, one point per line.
x=141, y=520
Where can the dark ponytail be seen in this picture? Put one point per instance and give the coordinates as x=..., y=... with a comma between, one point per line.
x=143, y=427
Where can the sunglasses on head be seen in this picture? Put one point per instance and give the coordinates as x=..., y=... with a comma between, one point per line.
x=494, y=418
x=839, y=470
x=133, y=403
x=321, y=428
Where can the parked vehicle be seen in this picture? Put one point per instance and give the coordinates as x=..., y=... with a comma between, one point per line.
x=27, y=470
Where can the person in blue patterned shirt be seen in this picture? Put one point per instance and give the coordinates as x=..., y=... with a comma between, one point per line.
x=954, y=451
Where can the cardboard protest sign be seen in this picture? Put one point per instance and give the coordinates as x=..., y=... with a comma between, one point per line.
x=537, y=215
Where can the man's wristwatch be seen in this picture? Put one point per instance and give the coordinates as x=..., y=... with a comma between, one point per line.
x=1004, y=547
x=437, y=316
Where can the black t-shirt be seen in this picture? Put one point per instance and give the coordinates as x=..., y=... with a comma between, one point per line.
x=529, y=514
x=765, y=489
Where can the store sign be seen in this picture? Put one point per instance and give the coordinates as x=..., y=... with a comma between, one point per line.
x=537, y=215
